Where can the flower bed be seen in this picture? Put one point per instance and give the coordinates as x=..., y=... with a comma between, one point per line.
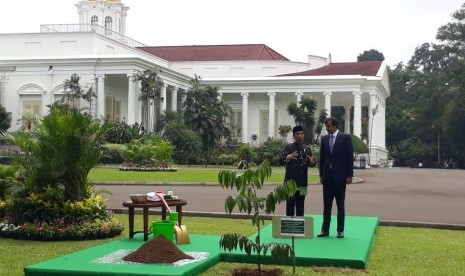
x=49, y=232
x=148, y=169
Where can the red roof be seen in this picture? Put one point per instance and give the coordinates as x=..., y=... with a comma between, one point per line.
x=215, y=52
x=363, y=68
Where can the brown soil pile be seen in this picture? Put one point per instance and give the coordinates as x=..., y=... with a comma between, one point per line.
x=158, y=250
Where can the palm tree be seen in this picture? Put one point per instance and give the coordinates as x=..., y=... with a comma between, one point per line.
x=304, y=115
x=151, y=86
x=72, y=89
x=88, y=95
x=30, y=120
x=61, y=152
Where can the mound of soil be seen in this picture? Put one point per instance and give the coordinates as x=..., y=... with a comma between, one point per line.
x=158, y=250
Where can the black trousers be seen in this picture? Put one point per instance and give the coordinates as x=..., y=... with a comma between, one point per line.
x=333, y=189
x=295, y=205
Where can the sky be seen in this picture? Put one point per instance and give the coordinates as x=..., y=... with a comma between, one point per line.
x=293, y=28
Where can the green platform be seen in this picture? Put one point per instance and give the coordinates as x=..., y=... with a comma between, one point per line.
x=352, y=251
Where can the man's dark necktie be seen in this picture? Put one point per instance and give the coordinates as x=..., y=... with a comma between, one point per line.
x=331, y=143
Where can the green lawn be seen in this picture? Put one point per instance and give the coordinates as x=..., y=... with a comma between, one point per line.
x=182, y=175
x=396, y=251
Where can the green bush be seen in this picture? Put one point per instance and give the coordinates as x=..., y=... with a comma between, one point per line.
x=8, y=175
x=227, y=159
x=121, y=133
x=148, y=152
x=112, y=154
x=5, y=119
x=270, y=150
x=53, y=209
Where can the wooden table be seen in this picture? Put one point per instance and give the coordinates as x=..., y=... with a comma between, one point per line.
x=178, y=203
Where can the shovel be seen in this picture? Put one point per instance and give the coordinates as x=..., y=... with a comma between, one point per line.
x=180, y=231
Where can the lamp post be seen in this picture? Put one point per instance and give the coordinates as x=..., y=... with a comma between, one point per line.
x=439, y=145
x=373, y=113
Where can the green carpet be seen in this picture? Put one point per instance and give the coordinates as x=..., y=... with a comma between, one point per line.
x=84, y=262
x=352, y=251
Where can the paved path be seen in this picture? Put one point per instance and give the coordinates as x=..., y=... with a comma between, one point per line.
x=397, y=194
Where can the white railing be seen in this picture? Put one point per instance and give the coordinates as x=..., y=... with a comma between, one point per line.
x=67, y=28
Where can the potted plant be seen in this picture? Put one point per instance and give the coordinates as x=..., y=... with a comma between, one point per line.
x=247, y=184
x=284, y=131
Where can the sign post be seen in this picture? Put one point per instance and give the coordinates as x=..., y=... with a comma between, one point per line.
x=294, y=227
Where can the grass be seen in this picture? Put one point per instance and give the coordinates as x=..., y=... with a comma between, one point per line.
x=183, y=175
x=396, y=251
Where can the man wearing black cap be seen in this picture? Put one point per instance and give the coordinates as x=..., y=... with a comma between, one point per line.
x=297, y=157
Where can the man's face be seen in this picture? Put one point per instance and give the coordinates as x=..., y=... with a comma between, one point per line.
x=330, y=128
x=299, y=137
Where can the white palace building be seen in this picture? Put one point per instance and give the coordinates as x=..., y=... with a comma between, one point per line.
x=255, y=80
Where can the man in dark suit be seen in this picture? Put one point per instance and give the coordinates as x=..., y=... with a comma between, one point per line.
x=297, y=157
x=336, y=171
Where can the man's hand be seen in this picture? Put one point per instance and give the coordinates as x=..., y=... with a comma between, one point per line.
x=311, y=159
x=349, y=180
x=291, y=156
x=321, y=180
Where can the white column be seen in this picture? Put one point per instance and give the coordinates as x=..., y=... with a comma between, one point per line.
x=94, y=100
x=131, y=100
x=380, y=124
x=174, y=99
x=101, y=96
x=163, y=99
x=245, y=116
x=357, y=114
x=220, y=96
x=328, y=102
x=299, y=96
x=138, y=103
x=347, y=119
x=271, y=114
x=47, y=96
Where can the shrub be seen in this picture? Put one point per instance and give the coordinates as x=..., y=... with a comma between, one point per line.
x=112, y=154
x=227, y=159
x=5, y=119
x=121, y=133
x=50, y=207
x=270, y=150
x=148, y=152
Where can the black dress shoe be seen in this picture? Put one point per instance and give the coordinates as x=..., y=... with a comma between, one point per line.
x=323, y=234
x=340, y=235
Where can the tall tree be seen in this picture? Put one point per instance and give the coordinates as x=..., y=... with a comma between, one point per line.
x=429, y=92
x=304, y=115
x=371, y=55
x=186, y=141
x=205, y=113
x=73, y=89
